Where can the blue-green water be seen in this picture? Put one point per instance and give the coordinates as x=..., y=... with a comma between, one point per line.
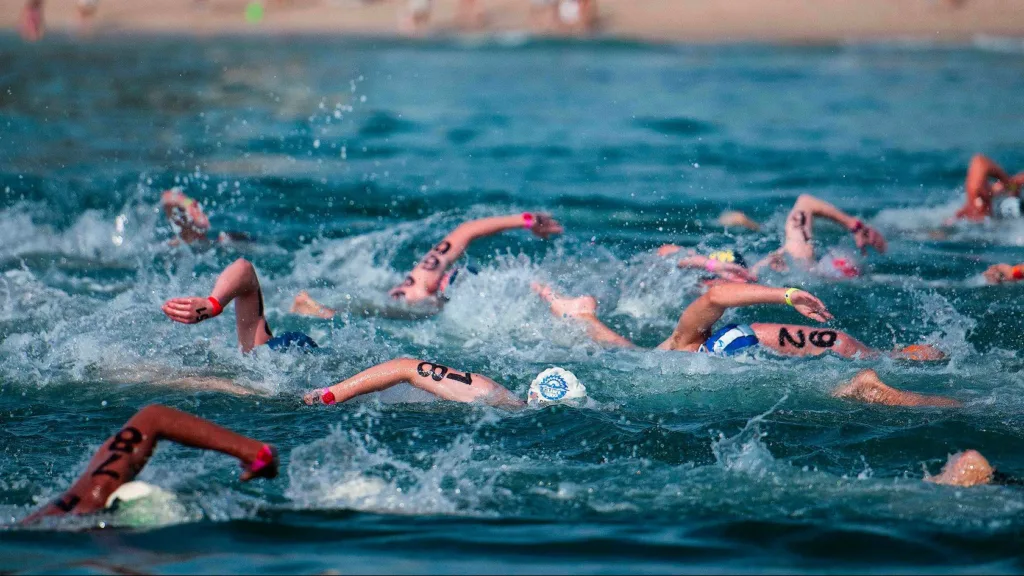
x=347, y=160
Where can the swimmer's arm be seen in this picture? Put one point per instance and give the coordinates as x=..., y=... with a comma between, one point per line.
x=866, y=386
x=981, y=169
x=437, y=379
x=699, y=317
x=863, y=234
x=728, y=270
x=542, y=225
x=818, y=207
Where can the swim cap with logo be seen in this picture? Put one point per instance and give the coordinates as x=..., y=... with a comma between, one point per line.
x=730, y=256
x=730, y=340
x=555, y=385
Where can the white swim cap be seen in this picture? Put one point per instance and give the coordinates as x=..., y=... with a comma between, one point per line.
x=131, y=491
x=555, y=385
x=1009, y=208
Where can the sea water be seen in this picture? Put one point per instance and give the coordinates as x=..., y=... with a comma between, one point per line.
x=345, y=161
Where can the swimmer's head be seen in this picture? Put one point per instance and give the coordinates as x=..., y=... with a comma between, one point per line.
x=839, y=265
x=730, y=256
x=730, y=340
x=555, y=386
x=1008, y=208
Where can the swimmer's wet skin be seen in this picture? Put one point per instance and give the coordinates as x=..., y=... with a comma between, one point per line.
x=694, y=330
x=1004, y=274
x=448, y=384
x=981, y=192
x=428, y=279
x=123, y=456
x=800, y=232
x=239, y=283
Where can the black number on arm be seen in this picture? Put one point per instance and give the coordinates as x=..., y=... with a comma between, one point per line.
x=823, y=338
x=125, y=440
x=443, y=247
x=467, y=379
x=102, y=470
x=436, y=372
x=431, y=263
x=784, y=335
x=201, y=315
x=67, y=503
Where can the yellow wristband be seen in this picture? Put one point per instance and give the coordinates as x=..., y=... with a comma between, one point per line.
x=789, y=294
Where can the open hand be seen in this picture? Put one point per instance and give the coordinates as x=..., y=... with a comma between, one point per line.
x=189, y=309
x=544, y=226
x=808, y=305
x=869, y=236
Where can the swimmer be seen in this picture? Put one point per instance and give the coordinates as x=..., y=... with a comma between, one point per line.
x=550, y=386
x=123, y=456
x=695, y=329
x=1004, y=274
x=428, y=281
x=728, y=265
x=866, y=386
x=190, y=222
x=969, y=468
x=237, y=282
x=986, y=198
x=798, y=244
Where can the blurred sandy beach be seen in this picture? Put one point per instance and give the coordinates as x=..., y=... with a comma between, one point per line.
x=665, y=20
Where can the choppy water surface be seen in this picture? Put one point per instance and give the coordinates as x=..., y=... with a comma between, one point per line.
x=347, y=160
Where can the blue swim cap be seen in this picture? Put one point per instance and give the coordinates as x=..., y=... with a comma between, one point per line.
x=730, y=340
x=288, y=340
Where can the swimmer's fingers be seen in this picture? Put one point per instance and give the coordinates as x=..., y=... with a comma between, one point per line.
x=808, y=305
x=544, y=291
x=545, y=226
x=187, y=310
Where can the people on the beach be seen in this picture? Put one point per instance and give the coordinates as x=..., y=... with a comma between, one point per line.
x=239, y=283
x=123, y=456
x=429, y=280
x=990, y=192
x=554, y=385
x=695, y=329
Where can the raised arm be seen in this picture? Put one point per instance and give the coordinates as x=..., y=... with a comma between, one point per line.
x=425, y=278
x=800, y=227
x=237, y=282
x=438, y=379
x=695, y=323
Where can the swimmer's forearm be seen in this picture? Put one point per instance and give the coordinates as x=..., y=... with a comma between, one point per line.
x=738, y=295
x=602, y=334
x=819, y=207
x=469, y=231
x=374, y=379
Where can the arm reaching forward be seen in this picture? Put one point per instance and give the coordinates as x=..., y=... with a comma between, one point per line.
x=438, y=379
x=426, y=278
x=695, y=323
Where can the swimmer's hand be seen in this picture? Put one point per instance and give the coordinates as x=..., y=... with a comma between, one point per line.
x=998, y=273
x=869, y=236
x=806, y=304
x=265, y=465
x=312, y=398
x=544, y=226
x=190, y=309
x=668, y=250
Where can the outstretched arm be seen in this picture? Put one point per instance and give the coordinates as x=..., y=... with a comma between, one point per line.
x=728, y=270
x=695, y=323
x=124, y=455
x=237, y=282
x=425, y=278
x=800, y=227
x=866, y=386
x=438, y=379
x=583, y=309
x=1004, y=273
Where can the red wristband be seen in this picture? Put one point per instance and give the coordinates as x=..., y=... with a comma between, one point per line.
x=1017, y=272
x=327, y=397
x=264, y=457
x=857, y=226
x=527, y=220
x=217, y=308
